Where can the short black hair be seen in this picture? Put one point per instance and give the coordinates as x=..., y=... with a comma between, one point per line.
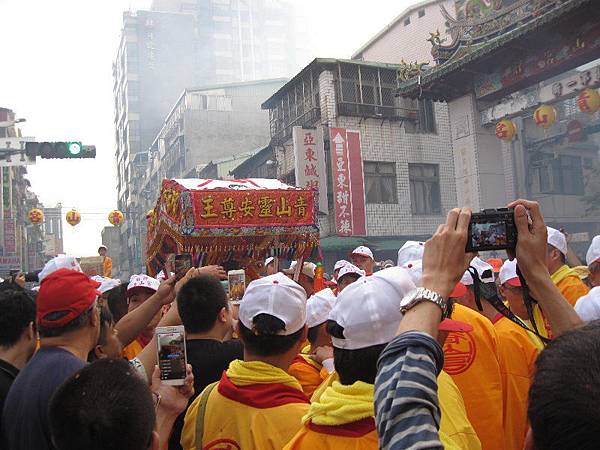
x=357, y=365
x=564, y=417
x=199, y=302
x=104, y=405
x=78, y=322
x=106, y=319
x=17, y=311
x=263, y=339
x=116, y=299
x=313, y=333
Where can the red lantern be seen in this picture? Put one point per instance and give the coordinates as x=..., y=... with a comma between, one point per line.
x=506, y=130
x=588, y=101
x=35, y=216
x=73, y=217
x=544, y=116
x=116, y=218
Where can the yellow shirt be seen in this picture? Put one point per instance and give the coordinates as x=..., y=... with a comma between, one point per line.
x=308, y=372
x=107, y=267
x=254, y=406
x=455, y=429
x=471, y=359
x=517, y=358
x=569, y=284
x=132, y=350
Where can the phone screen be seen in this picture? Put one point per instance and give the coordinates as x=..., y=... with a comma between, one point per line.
x=237, y=284
x=183, y=263
x=172, y=357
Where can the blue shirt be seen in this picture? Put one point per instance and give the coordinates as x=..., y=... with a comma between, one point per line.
x=25, y=423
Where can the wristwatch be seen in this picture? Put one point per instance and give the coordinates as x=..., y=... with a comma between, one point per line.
x=421, y=294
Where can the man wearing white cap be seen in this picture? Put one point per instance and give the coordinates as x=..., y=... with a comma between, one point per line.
x=59, y=262
x=348, y=275
x=312, y=367
x=338, y=265
x=362, y=257
x=592, y=258
x=270, y=265
x=307, y=276
x=256, y=404
x=363, y=320
x=566, y=279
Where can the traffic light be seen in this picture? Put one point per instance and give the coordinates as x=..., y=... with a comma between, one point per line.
x=60, y=150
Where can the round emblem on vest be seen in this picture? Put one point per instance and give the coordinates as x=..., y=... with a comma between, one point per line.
x=459, y=352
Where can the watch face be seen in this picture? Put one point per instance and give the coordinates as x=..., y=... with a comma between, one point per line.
x=408, y=299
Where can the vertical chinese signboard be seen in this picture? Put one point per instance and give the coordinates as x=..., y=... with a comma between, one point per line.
x=309, y=154
x=348, y=183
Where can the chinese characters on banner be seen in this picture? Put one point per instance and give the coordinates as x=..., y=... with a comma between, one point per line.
x=10, y=239
x=254, y=208
x=348, y=183
x=309, y=156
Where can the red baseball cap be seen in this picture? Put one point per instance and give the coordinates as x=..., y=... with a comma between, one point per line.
x=454, y=325
x=459, y=291
x=65, y=291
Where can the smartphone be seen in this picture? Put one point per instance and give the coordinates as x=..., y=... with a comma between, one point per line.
x=492, y=229
x=183, y=263
x=237, y=284
x=172, y=354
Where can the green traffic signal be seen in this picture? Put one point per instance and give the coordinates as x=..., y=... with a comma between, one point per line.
x=60, y=150
x=74, y=148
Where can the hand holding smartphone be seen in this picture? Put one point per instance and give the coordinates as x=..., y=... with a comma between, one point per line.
x=237, y=284
x=172, y=354
x=183, y=263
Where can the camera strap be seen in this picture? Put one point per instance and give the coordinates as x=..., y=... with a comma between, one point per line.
x=499, y=305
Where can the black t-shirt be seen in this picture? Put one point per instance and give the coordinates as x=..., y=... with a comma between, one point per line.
x=8, y=373
x=209, y=358
x=25, y=424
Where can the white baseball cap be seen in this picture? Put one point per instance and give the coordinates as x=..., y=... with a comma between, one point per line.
x=277, y=296
x=142, y=281
x=593, y=253
x=318, y=307
x=350, y=268
x=588, y=306
x=508, y=273
x=410, y=251
x=362, y=250
x=369, y=309
x=106, y=284
x=59, y=262
x=485, y=272
x=160, y=276
x=339, y=264
x=557, y=239
x=415, y=270
x=269, y=260
x=308, y=269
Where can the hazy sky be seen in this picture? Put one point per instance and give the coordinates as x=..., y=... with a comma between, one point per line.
x=56, y=72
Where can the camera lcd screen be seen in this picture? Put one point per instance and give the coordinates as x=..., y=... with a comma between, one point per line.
x=490, y=234
x=171, y=355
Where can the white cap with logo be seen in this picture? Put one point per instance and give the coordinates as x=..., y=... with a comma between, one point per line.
x=277, y=296
x=350, y=268
x=339, y=264
x=588, y=306
x=106, y=284
x=143, y=281
x=59, y=262
x=363, y=251
x=308, y=269
x=593, y=253
x=369, y=309
x=318, y=307
x=557, y=240
x=410, y=251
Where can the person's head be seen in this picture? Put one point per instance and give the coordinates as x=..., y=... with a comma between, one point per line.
x=317, y=311
x=59, y=262
x=140, y=289
x=109, y=345
x=202, y=305
x=306, y=278
x=556, y=251
x=272, y=318
x=270, y=265
x=410, y=251
x=362, y=257
x=348, y=275
x=17, y=322
x=560, y=417
x=116, y=299
x=464, y=292
x=364, y=319
x=337, y=267
x=104, y=405
x=510, y=288
x=67, y=307
x=592, y=259
x=102, y=250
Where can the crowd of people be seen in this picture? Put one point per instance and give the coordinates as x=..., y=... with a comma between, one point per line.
x=442, y=350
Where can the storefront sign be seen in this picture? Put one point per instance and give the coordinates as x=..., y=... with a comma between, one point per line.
x=348, y=183
x=309, y=155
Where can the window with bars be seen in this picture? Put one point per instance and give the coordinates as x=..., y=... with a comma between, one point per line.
x=424, y=180
x=380, y=182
